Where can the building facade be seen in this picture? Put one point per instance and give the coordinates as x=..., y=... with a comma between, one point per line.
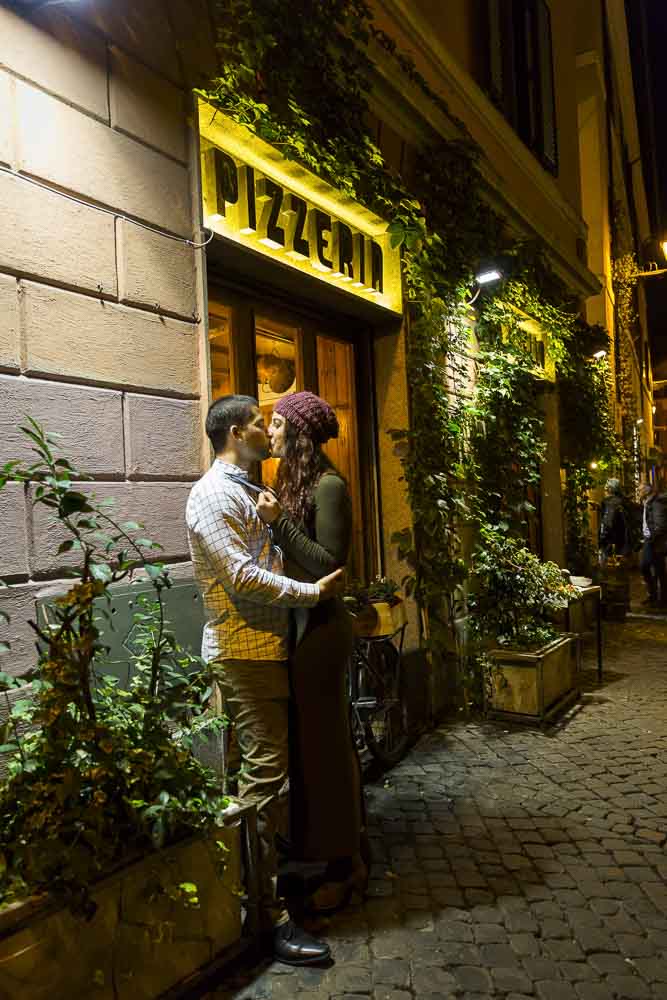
x=614, y=206
x=117, y=324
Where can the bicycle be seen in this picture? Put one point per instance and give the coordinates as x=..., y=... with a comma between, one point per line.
x=376, y=693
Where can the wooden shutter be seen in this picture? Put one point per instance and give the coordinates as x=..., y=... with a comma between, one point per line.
x=549, y=139
x=496, y=75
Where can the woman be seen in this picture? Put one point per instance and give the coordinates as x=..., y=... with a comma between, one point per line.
x=311, y=522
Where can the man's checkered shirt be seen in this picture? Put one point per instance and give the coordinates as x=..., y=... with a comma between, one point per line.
x=239, y=570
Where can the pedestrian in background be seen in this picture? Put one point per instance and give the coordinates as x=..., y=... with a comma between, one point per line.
x=614, y=535
x=654, y=532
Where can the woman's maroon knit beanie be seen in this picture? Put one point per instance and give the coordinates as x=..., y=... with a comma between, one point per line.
x=309, y=414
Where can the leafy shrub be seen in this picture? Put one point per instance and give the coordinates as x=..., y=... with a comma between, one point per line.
x=515, y=594
x=103, y=772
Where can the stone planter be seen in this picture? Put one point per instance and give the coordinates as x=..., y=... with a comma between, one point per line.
x=532, y=686
x=140, y=942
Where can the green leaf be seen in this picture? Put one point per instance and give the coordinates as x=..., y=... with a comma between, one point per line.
x=189, y=887
x=8, y=681
x=74, y=503
x=154, y=570
x=146, y=543
x=102, y=572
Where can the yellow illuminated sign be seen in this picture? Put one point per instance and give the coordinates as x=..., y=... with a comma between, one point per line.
x=258, y=199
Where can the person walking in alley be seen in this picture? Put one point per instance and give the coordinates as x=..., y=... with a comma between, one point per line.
x=614, y=538
x=654, y=532
x=312, y=522
x=247, y=597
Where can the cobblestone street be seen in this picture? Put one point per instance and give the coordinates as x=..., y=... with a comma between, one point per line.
x=516, y=863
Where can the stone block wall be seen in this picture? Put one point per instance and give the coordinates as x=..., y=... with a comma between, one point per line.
x=101, y=338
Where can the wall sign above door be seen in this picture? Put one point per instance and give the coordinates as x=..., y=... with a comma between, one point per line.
x=253, y=196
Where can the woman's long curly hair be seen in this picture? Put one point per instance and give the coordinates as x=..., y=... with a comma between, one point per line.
x=300, y=470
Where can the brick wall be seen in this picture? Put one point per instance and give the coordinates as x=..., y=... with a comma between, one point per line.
x=100, y=336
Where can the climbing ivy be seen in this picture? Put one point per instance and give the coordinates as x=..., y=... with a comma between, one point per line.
x=624, y=270
x=473, y=451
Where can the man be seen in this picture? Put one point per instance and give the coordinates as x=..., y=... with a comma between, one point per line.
x=614, y=534
x=654, y=532
x=247, y=598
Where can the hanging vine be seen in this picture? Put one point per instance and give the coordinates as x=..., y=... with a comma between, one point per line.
x=302, y=84
x=624, y=270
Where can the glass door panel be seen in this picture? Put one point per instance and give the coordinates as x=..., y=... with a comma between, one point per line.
x=277, y=354
x=260, y=349
x=336, y=384
x=219, y=330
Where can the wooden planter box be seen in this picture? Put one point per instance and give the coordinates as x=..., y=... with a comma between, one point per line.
x=532, y=686
x=615, y=586
x=140, y=943
x=381, y=618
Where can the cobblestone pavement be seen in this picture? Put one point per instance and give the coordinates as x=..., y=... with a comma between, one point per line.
x=516, y=863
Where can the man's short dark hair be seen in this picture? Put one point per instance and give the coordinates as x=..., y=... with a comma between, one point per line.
x=223, y=413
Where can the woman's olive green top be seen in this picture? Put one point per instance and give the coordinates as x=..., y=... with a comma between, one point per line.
x=331, y=522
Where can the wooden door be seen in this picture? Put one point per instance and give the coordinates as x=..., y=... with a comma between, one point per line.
x=261, y=349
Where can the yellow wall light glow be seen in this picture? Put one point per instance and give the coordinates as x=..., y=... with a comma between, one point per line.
x=253, y=196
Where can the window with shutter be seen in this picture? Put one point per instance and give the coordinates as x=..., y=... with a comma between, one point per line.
x=519, y=78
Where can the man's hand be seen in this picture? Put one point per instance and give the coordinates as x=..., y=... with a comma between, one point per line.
x=331, y=585
x=268, y=507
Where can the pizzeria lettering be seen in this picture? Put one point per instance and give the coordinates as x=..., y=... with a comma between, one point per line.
x=256, y=206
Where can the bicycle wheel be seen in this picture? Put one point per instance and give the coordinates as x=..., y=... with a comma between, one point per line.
x=385, y=711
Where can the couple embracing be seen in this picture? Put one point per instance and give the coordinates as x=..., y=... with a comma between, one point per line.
x=270, y=568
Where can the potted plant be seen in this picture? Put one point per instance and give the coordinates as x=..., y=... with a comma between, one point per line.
x=529, y=669
x=114, y=838
x=379, y=609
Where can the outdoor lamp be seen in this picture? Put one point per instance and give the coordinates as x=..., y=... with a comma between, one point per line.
x=489, y=272
x=487, y=276
x=663, y=247
x=599, y=355
x=640, y=421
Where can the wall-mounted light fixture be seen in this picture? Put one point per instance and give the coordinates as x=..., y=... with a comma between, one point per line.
x=488, y=276
x=639, y=422
x=489, y=272
x=599, y=355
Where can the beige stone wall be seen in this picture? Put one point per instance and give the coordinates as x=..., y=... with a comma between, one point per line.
x=100, y=330
x=447, y=42
x=393, y=413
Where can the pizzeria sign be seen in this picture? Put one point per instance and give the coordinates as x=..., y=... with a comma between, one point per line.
x=255, y=201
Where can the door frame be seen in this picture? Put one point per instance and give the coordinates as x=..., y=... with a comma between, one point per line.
x=245, y=303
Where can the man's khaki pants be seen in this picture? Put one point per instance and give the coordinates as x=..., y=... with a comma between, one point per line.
x=256, y=695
